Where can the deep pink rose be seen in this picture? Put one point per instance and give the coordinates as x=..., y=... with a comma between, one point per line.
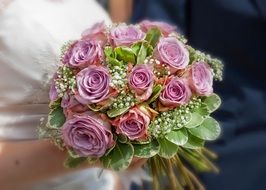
x=140, y=80
x=176, y=92
x=134, y=124
x=201, y=78
x=96, y=32
x=93, y=84
x=173, y=53
x=165, y=28
x=83, y=53
x=87, y=135
x=123, y=35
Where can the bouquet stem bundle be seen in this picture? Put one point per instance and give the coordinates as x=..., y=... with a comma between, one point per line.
x=178, y=173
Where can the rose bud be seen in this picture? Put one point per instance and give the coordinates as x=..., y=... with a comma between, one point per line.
x=165, y=28
x=83, y=53
x=96, y=32
x=134, y=124
x=93, y=85
x=201, y=78
x=176, y=92
x=87, y=135
x=173, y=53
x=123, y=35
x=141, y=80
x=71, y=106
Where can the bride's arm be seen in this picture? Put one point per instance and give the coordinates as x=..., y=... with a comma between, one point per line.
x=22, y=163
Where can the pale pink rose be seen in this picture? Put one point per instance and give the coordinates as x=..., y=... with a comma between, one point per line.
x=173, y=53
x=96, y=32
x=83, y=53
x=176, y=92
x=141, y=80
x=134, y=124
x=201, y=78
x=165, y=28
x=123, y=35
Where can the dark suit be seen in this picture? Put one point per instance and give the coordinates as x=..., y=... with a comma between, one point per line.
x=235, y=31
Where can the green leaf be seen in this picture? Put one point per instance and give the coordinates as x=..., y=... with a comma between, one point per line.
x=71, y=162
x=110, y=57
x=167, y=148
x=208, y=130
x=125, y=54
x=73, y=154
x=95, y=107
x=202, y=110
x=55, y=104
x=117, y=111
x=193, y=142
x=179, y=137
x=213, y=102
x=155, y=93
x=119, y=158
x=153, y=36
x=122, y=138
x=146, y=150
x=196, y=120
x=141, y=142
x=108, y=51
x=142, y=50
x=56, y=118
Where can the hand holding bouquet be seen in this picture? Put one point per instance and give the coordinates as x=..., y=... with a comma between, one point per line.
x=140, y=91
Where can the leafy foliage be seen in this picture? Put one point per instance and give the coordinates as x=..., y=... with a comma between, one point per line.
x=146, y=150
x=119, y=158
x=208, y=130
x=178, y=137
x=167, y=148
x=56, y=118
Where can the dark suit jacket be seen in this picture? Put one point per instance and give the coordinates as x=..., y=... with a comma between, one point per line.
x=235, y=31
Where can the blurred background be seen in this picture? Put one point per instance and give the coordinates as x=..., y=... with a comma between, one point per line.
x=234, y=31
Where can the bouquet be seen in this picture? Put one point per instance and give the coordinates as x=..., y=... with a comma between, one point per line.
x=136, y=91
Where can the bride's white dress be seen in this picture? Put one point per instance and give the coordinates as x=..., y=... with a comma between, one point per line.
x=31, y=34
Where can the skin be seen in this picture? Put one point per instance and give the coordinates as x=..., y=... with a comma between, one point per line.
x=120, y=10
x=27, y=162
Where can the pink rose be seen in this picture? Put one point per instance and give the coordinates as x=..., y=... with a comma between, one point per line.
x=71, y=106
x=201, y=78
x=176, y=92
x=165, y=28
x=87, y=135
x=134, y=124
x=140, y=80
x=96, y=32
x=173, y=53
x=93, y=84
x=83, y=53
x=123, y=35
